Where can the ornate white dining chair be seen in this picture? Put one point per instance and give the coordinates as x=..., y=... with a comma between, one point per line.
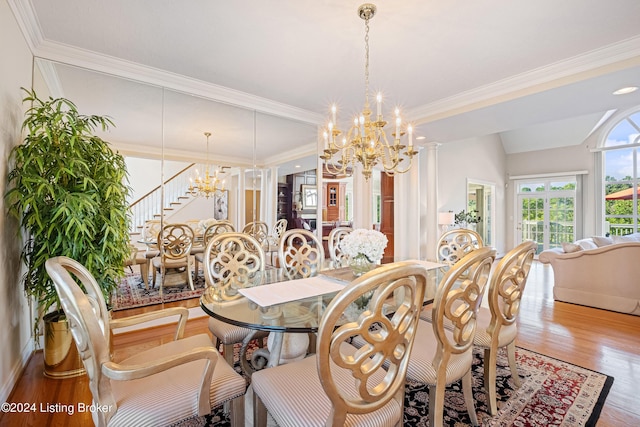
x=210, y=232
x=335, y=252
x=300, y=253
x=455, y=244
x=497, y=327
x=276, y=232
x=174, y=262
x=259, y=230
x=136, y=257
x=231, y=261
x=344, y=385
x=445, y=356
x=163, y=385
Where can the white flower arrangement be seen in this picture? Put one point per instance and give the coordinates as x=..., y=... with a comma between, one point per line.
x=364, y=243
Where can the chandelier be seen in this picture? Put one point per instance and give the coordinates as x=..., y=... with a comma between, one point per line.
x=366, y=141
x=208, y=185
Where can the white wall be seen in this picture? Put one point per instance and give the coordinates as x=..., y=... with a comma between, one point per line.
x=480, y=159
x=15, y=333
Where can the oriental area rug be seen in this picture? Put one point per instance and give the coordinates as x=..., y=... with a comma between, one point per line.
x=553, y=393
x=132, y=293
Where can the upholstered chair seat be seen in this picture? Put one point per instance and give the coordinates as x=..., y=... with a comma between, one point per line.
x=175, y=392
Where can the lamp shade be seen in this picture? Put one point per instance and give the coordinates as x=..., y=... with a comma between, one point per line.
x=446, y=218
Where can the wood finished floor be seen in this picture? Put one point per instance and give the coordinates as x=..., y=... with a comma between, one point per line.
x=600, y=340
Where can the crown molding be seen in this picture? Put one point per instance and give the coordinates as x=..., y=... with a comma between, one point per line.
x=614, y=57
x=27, y=21
x=310, y=149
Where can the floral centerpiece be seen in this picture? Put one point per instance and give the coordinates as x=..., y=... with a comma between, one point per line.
x=364, y=249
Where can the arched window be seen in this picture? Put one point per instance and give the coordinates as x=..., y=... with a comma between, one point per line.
x=621, y=158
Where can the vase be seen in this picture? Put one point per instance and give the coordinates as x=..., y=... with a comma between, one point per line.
x=360, y=265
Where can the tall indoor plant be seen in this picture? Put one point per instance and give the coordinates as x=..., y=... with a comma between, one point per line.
x=69, y=191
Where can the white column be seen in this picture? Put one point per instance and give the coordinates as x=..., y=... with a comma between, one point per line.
x=273, y=196
x=406, y=212
x=362, y=195
x=241, y=203
x=430, y=217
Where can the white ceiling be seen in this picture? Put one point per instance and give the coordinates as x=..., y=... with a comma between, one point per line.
x=538, y=73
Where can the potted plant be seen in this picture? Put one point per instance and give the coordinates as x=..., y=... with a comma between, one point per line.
x=465, y=219
x=68, y=190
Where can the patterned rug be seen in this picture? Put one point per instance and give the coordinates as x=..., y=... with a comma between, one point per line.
x=553, y=393
x=132, y=293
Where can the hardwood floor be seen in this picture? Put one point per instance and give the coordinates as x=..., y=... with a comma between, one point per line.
x=600, y=340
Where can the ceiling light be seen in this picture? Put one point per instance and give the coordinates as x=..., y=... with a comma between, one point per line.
x=421, y=137
x=366, y=141
x=626, y=90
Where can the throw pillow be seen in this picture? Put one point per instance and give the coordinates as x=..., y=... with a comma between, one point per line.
x=570, y=247
x=628, y=238
x=601, y=241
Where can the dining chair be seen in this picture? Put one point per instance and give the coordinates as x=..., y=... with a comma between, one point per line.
x=231, y=261
x=445, y=356
x=300, y=253
x=341, y=384
x=174, y=262
x=335, y=251
x=163, y=385
x=455, y=244
x=497, y=326
x=276, y=232
x=210, y=232
x=259, y=230
x=140, y=259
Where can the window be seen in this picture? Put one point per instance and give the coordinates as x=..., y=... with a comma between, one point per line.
x=621, y=176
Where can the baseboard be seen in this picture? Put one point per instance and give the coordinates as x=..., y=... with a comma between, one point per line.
x=194, y=313
x=16, y=371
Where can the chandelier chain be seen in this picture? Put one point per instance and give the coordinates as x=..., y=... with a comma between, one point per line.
x=366, y=62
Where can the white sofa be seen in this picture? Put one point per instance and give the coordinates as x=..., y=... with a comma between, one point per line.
x=606, y=277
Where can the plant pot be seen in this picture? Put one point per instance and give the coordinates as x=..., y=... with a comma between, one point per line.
x=61, y=357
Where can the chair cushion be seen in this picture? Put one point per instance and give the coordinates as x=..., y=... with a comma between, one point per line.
x=570, y=247
x=227, y=333
x=170, y=263
x=601, y=241
x=172, y=395
x=506, y=335
x=421, y=367
x=294, y=396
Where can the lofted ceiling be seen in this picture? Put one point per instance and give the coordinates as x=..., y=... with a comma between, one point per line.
x=541, y=74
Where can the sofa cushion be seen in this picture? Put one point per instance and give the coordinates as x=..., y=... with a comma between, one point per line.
x=635, y=237
x=601, y=241
x=586, y=244
x=571, y=247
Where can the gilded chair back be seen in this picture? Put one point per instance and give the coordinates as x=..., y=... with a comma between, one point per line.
x=362, y=390
x=335, y=252
x=150, y=232
x=232, y=261
x=507, y=286
x=457, y=301
x=259, y=230
x=300, y=253
x=89, y=323
x=176, y=241
x=278, y=229
x=216, y=229
x=455, y=244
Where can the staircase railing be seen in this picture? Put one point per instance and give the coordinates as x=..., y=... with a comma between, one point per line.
x=151, y=205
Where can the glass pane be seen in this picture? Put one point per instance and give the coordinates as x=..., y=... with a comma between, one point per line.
x=533, y=219
x=530, y=187
x=561, y=220
x=620, y=226
x=563, y=185
x=621, y=134
x=618, y=199
x=619, y=164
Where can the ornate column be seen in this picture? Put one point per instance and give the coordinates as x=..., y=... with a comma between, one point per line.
x=429, y=219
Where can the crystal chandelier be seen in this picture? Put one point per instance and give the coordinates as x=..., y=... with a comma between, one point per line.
x=366, y=141
x=208, y=185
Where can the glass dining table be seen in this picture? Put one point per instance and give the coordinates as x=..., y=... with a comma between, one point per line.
x=287, y=307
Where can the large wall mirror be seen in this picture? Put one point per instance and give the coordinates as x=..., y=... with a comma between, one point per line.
x=481, y=199
x=161, y=132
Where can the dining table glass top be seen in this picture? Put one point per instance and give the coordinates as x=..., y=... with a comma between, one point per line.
x=227, y=301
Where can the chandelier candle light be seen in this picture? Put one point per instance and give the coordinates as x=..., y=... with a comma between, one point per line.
x=210, y=184
x=366, y=141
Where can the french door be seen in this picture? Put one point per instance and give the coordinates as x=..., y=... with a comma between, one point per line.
x=546, y=212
